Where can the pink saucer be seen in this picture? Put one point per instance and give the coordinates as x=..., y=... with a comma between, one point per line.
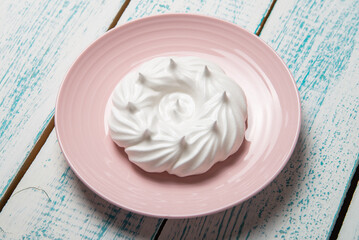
x=83, y=103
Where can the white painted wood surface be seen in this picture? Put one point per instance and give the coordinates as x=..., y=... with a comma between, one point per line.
x=39, y=40
x=350, y=227
x=58, y=205
x=52, y=203
x=319, y=42
x=247, y=14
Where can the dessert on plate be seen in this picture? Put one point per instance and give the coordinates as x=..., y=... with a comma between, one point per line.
x=178, y=114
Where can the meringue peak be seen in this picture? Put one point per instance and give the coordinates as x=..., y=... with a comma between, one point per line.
x=172, y=64
x=225, y=96
x=214, y=126
x=147, y=134
x=183, y=142
x=206, y=71
x=131, y=107
x=141, y=78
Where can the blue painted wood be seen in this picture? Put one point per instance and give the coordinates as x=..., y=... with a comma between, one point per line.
x=319, y=42
x=50, y=202
x=247, y=14
x=317, y=39
x=38, y=42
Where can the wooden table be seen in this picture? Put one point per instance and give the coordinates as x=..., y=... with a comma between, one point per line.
x=41, y=198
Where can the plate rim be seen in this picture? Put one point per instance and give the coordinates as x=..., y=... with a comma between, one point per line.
x=179, y=216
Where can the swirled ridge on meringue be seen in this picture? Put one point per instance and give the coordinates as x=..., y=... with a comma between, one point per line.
x=179, y=114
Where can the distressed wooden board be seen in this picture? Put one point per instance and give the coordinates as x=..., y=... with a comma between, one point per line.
x=350, y=227
x=39, y=40
x=319, y=42
x=247, y=14
x=51, y=203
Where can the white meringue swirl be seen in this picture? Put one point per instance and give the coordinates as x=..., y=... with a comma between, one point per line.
x=179, y=114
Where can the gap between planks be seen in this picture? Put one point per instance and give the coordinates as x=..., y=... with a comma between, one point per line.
x=25, y=166
x=41, y=141
x=264, y=20
x=345, y=205
x=45, y=134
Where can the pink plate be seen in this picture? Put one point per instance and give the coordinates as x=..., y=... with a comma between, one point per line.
x=83, y=103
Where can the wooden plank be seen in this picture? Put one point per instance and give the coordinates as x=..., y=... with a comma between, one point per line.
x=350, y=227
x=39, y=40
x=52, y=203
x=247, y=14
x=318, y=41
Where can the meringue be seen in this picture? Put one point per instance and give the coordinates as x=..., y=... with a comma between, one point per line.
x=180, y=114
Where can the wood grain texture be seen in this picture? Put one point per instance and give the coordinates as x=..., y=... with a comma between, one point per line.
x=350, y=227
x=39, y=40
x=52, y=203
x=319, y=42
x=247, y=14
